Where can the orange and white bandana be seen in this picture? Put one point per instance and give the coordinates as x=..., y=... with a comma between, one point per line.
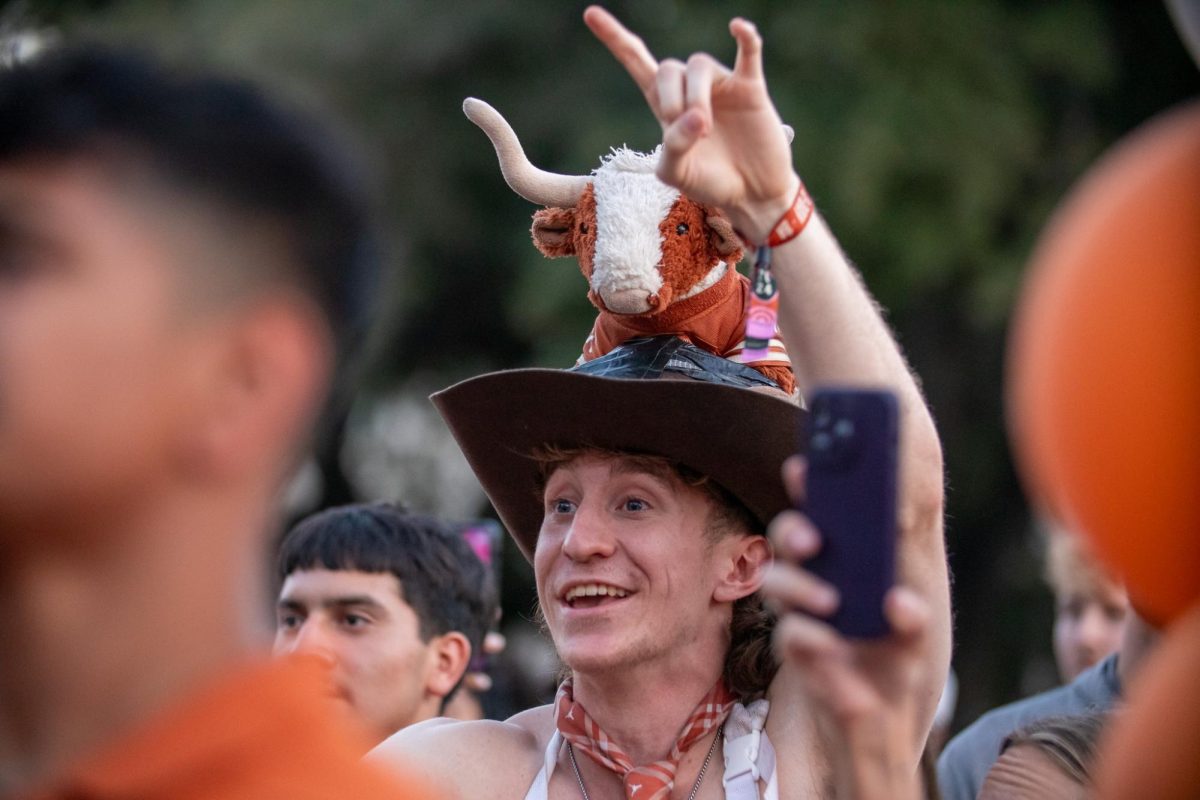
x=652, y=781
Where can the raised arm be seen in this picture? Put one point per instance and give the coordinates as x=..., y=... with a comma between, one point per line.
x=724, y=144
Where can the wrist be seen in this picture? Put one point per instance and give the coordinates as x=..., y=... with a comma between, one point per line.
x=754, y=221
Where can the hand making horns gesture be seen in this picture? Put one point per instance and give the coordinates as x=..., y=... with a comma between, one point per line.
x=723, y=141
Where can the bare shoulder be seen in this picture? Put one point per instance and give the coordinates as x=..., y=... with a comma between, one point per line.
x=482, y=758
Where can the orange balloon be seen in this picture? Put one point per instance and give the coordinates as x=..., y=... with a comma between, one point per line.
x=1104, y=363
x=1153, y=748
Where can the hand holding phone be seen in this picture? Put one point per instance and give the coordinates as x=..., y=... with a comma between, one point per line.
x=851, y=441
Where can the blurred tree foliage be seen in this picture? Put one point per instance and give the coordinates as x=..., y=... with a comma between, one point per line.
x=936, y=137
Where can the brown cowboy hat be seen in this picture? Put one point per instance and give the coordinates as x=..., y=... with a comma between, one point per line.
x=657, y=396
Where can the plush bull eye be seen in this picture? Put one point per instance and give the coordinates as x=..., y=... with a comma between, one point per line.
x=681, y=228
x=583, y=228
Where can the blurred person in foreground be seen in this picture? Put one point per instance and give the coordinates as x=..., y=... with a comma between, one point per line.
x=180, y=265
x=1090, y=606
x=1050, y=759
x=397, y=602
x=967, y=758
x=640, y=485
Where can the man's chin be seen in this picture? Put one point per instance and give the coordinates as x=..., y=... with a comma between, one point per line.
x=597, y=656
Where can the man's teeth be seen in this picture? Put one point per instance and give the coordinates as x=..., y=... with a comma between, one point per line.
x=594, y=590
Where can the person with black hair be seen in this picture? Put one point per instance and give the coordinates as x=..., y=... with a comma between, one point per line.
x=397, y=602
x=181, y=264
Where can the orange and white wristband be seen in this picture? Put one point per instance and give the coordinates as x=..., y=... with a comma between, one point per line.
x=790, y=225
x=794, y=220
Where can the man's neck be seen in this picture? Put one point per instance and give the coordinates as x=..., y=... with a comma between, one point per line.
x=643, y=708
x=101, y=634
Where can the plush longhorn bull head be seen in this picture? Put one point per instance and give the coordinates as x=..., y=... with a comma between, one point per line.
x=655, y=260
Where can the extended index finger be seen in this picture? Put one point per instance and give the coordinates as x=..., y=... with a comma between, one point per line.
x=625, y=45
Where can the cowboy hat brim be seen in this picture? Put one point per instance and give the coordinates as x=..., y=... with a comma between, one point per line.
x=739, y=437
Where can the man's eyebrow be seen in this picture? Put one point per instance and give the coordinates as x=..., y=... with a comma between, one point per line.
x=287, y=604
x=353, y=600
x=660, y=472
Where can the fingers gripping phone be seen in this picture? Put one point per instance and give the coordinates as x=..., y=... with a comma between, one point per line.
x=851, y=440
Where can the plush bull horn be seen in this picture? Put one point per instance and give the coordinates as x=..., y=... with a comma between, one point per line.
x=535, y=185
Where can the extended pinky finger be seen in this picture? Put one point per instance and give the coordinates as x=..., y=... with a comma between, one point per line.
x=749, y=54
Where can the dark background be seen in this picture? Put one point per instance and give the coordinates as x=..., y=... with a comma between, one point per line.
x=936, y=137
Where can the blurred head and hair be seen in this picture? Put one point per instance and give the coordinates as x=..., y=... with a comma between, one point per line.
x=256, y=168
x=179, y=257
x=1070, y=742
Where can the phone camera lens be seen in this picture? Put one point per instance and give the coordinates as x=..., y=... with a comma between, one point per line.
x=822, y=442
x=844, y=429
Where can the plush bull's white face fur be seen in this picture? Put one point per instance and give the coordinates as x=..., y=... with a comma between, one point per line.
x=631, y=202
x=641, y=244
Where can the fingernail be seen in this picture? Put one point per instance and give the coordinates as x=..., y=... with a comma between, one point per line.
x=801, y=540
x=830, y=597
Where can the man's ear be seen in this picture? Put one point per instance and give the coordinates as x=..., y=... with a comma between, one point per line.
x=745, y=566
x=450, y=655
x=723, y=238
x=554, y=232
x=265, y=385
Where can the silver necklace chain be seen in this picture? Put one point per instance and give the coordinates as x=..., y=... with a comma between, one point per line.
x=695, y=786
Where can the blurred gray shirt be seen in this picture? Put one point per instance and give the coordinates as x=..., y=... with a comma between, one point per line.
x=967, y=758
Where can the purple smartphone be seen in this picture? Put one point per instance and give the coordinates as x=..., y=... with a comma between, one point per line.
x=850, y=440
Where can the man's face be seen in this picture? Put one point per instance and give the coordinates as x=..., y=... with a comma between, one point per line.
x=97, y=362
x=1088, y=624
x=625, y=572
x=361, y=624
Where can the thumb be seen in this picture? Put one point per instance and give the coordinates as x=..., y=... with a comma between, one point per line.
x=678, y=139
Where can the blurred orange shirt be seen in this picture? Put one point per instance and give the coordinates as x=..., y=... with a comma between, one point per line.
x=268, y=731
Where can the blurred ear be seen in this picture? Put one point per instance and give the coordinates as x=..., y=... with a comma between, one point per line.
x=264, y=387
x=744, y=561
x=450, y=654
x=554, y=232
x=723, y=238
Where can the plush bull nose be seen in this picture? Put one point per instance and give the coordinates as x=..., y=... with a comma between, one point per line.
x=629, y=301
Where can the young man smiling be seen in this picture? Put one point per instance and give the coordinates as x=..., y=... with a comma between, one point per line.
x=652, y=473
x=396, y=602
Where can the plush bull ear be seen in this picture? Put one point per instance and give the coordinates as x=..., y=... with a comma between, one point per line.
x=726, y=242
x=554, y=232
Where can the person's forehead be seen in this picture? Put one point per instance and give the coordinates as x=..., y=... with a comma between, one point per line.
x=320, y=584
x=1023, y=772
x=1091, y=586
x=85, y=201
x=614, y=464
x=53, y=191
x=128, y=196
